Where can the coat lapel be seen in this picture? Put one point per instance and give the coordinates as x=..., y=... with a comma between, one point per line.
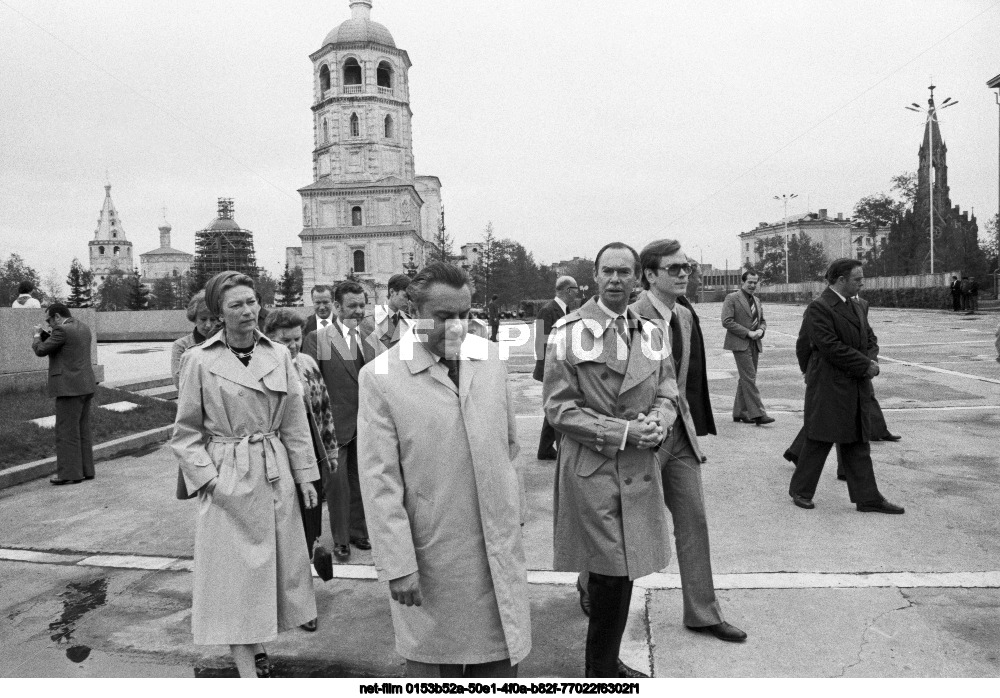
x=424, y=360
x=640, y=366
x=341, y=352
x=227, y=366
x=845, y=310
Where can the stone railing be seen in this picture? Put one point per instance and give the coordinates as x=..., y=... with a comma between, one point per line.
x=353, y=89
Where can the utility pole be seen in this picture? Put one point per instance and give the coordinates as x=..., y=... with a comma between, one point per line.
x=786, y=198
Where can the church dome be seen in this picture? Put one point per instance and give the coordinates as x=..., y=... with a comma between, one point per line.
x=360, y=28
x=223, y=224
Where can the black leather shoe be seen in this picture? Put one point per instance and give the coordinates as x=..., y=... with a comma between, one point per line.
x=890, y=437
x=724, y=631
x=790, y=457
x=883, y=507
x=584, y=598
x=763, y=420
x=361, y=543
x=743, y=420
x=263, y=665
x=323, y=563
x=341, y=552
x=57, y=481
x=91, y=477
x=841, y=476
x=309, y=626
x=802, y=502
x=627, y=672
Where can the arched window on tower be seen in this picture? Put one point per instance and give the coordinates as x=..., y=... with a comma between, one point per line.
x=383, y=76
x=326, y=131
x=356, y=215
x=100, y=250
x=388, y=126
x=355, y=125
x=117, y=250
x=352, y=73
x=359, y=261
x=324, y=79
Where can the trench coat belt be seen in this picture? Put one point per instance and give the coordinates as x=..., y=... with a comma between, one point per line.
x=270, y=453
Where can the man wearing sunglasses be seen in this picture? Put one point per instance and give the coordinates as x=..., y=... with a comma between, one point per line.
x=743, y=318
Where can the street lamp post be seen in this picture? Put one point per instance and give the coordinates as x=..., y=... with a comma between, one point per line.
x=785, y=198
x=995, y=84
x=932, y=119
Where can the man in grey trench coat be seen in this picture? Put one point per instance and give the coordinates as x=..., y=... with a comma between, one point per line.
x=436, y=444
x=613, y=399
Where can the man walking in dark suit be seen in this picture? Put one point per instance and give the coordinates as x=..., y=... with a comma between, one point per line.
x=567, y=296
x=839, y=391
x=72, y=384
x=743, y=318
x=956, y=294
x=322, y=300
x=493, y=314
x=340, y=352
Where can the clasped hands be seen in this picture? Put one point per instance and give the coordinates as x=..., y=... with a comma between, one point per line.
x=645, y=431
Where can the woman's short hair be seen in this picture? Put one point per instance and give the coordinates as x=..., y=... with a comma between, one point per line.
x=841, y=267
x=435, y=273
x=217, y=286
x=282, y=319
x=196, y=305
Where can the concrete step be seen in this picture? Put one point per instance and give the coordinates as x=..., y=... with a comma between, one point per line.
x=134, y=386
x=164, y=392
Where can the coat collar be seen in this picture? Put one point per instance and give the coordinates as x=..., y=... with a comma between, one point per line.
x=638, y=366
x=227, y=366
x=474, y=349
x=839, y=306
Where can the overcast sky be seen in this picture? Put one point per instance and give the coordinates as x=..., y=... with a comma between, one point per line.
x=567, y=123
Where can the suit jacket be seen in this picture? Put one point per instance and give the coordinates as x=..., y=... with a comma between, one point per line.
x=378, y=332
x=699, y=400
x=737, y=321
x=312, y=324
x=645, y=309
x=838, y=390
x=549, y=314
x=336, y=362
x=68, y=348
x=442, y=498
x=608, y=504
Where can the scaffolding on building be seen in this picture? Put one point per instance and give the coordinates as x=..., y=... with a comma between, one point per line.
x=223, y=246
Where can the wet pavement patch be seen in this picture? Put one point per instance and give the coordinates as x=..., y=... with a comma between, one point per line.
x=79, y=599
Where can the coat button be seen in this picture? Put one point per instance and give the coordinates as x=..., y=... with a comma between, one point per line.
x=647, y=478
x=628, y=481
x=240, y=392
x=604, y=375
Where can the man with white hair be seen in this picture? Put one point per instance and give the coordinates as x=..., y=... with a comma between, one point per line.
x=567, y=298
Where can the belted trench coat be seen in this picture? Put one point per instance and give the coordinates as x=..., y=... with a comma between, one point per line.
x=247, y=426
x=608, y=505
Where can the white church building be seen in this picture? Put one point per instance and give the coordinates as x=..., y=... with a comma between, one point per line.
x=367, y=213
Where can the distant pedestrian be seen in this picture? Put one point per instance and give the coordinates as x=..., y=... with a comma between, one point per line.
x=68, y=343
x=956, y=294
x=567, y=299
x=839, y=372
x=242, y=439
x=966, y=289
x=204, y=327
x=24, y=298
x=743, y=318
x=973, y=295
x=493, y=312
x=322, y=300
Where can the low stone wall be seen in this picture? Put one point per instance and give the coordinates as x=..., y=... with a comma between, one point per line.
x=20, y=369
x=142, y=325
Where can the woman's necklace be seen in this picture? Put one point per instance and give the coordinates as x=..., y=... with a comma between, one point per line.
x=240, y=354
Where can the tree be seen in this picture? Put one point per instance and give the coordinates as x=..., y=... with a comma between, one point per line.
x=990, y=244
x=113, y=293
x=12, y=272
x=289, y=288
x=583, y=271
x=906, y=185
x=877, y=211
x=443, y=243
x=164, y=294
x=485, y=266
x=138, y=294
x=771, y=259
x=54, y=288
x=80, y=283
x=806, y=259
x=266, y=286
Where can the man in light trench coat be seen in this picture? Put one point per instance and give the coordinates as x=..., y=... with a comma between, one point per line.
x=436, y=444
x=613, y=399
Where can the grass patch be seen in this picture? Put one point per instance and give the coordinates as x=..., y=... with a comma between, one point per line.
x=23, y=442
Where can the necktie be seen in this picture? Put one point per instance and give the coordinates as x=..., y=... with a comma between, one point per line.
x=323, y=323
x=753, y=314
x=676, y=341
x=452, y=366
x=394, y=320
x=621, y=329
x=359, y=358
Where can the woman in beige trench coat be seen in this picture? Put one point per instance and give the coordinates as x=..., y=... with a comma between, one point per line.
x=243, y=443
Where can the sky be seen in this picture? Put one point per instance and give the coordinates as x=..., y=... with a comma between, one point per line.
x=565, y=123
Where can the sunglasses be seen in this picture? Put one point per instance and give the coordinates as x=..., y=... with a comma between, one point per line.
x=676, y=269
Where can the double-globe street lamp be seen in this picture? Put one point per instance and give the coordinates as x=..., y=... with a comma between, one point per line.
x=932, y=119
x=786, y=198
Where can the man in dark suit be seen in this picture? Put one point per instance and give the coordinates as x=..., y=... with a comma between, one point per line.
x=567, y=296
x=71, y=382
x=322, y=300
x=956, y=294
x=493, y=314
x=387, y=323
x=743, y=318
x=839, y=392
x=341, y=352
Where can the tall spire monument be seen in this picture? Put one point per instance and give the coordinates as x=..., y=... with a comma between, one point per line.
x=109, y=250
x=367, y=212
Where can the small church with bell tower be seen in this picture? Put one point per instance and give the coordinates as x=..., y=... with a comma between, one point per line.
x=367, y=214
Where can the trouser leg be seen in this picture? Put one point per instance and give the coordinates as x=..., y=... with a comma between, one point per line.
x=359, y=529
x=336, y=489
x=69, y=442
x=861, y=485
x=86, y=440
x=878, y=427
x=748, y=404
x=500, y=669
x=609, y=603
x=684, y=497
x=809, y=468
